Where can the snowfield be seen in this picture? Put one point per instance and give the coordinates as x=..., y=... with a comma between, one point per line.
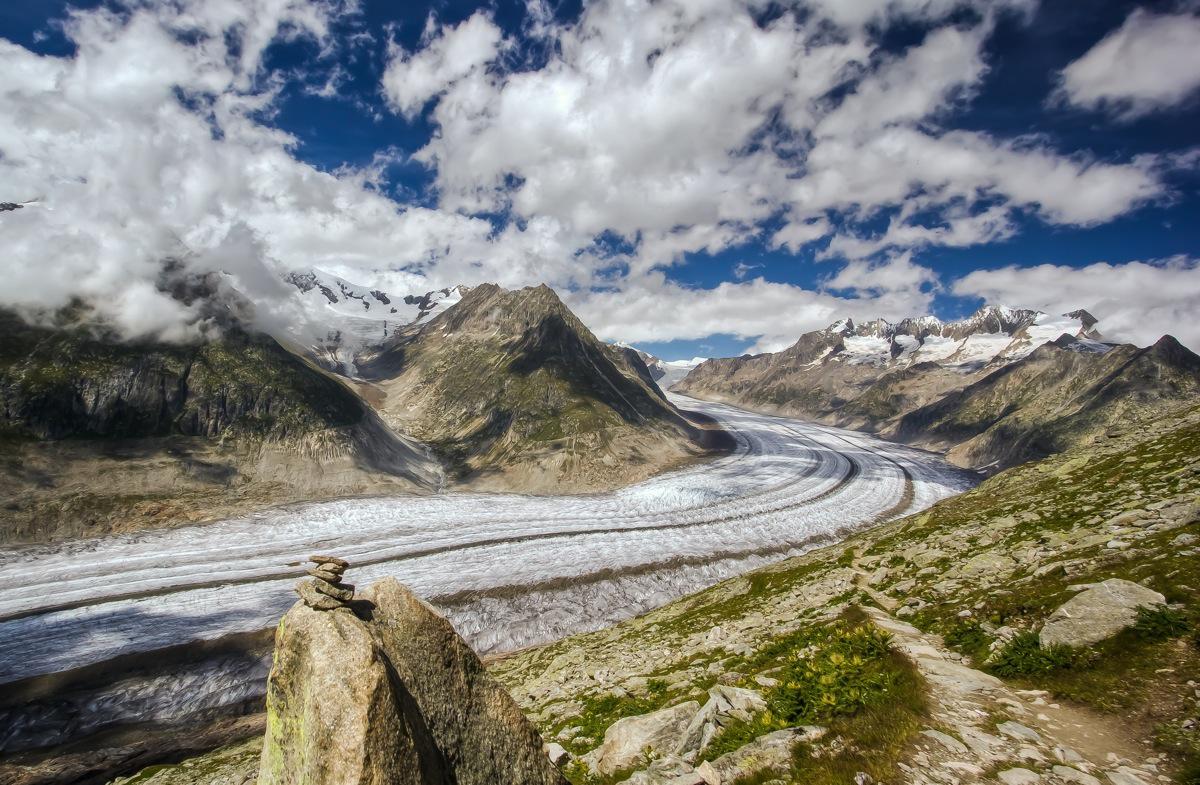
x=509, y=570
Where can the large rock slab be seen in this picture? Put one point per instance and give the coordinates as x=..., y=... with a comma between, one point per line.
x=332, y=716
x=724, y=705
x=392, y=696
x=627, y=740
x=771, y=753
x=1097, y=613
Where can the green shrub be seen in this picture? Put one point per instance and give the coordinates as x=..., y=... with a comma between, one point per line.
x=1160, y=623
x=847, y=672
x=1190, y=773
x=967, y=637
x=844, y=675
x=1025, y=656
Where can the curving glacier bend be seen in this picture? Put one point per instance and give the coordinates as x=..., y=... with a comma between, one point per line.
x=509, y=570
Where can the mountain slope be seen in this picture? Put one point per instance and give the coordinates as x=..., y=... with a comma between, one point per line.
x=1062, y=394
x=895, y=366
x=973, y=573
x=513, y=391
x=102, y=434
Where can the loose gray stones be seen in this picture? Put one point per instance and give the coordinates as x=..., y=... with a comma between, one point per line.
x=325, y=591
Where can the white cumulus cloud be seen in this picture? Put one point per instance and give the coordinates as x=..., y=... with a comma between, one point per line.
x=450, y=54
x=1152, y=61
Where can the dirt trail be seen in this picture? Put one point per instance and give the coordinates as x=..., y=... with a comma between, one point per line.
x=982, y=730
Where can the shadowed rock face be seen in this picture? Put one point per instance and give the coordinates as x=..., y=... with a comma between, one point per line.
x=101, y=434
x=1055, y=398
x=60, y=383
x=390, y=696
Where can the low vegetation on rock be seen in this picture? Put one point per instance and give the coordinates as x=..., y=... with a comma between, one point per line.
x=963, y=588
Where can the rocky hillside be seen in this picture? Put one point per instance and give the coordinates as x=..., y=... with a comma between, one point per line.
x=911, y=652
x=1002, y=387
x=1062, y=394
x=859, y=375
x=102, y=434
x=1041, y=629
x=514, y=392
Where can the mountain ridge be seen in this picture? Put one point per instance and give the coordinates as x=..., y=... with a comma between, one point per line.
x=512, y=383
x=919, y=380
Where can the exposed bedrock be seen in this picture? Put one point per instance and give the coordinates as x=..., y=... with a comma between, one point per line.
x=381, y=690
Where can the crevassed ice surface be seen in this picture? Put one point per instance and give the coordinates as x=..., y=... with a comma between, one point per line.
x=509, y=570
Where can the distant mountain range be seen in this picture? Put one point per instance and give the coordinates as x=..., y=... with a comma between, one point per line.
x=998, y=388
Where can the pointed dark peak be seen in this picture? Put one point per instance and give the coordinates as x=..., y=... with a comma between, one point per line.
x=1086, y=319
x=1170, y=351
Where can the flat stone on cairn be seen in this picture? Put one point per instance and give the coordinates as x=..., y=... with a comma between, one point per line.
x=325, y=591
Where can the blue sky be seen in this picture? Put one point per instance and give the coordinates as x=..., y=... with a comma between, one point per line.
x=522, y=142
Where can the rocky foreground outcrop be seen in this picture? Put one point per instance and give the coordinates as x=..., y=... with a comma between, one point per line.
x=376, y=688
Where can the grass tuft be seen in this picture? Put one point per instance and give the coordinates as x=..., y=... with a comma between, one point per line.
x=1024, y=656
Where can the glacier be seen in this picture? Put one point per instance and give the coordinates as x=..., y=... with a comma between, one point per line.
x=509, y=570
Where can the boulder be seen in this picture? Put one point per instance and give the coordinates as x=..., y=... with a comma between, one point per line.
x=393, y=697
x=332, y=716
x=724, y=705
x=557, y=754
x=1018, y=777
x=771, y=753
x=670, y=770
x=1100, y=611
x=627, y=740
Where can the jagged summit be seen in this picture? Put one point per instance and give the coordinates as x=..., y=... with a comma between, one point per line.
x=918, y=379
x=975, y=339
x=339, y=319
x=511, y=384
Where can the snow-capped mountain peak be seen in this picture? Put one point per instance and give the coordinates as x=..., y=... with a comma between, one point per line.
x=340, y=318
x=994, y=333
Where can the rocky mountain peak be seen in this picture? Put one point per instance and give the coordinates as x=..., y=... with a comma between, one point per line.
x=1169, y=347
x=490, y=308
x=1086, y=319
x=512, y=382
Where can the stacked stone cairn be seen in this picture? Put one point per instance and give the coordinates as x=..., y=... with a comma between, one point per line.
x=325, y=591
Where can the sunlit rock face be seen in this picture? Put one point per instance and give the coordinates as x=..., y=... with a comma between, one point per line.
x=384, y=692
